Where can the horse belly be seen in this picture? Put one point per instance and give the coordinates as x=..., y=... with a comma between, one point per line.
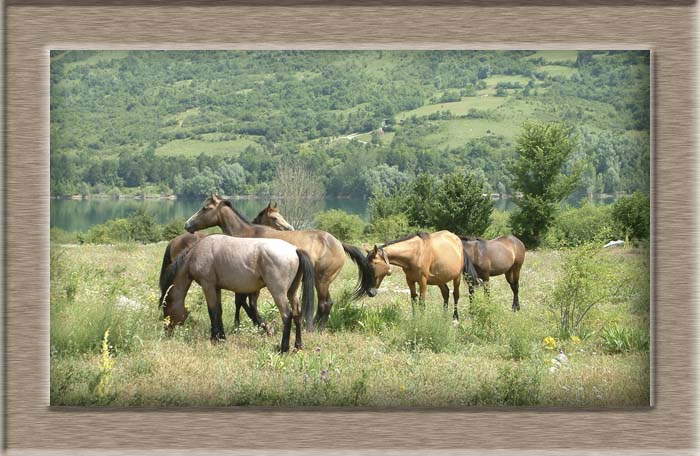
x=242, y=283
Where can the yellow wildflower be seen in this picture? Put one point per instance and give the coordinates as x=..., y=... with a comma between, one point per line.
x=550, y=343
x=575, y=340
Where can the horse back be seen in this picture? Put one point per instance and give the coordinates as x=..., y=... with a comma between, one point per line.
x=446, y=255
x=325, y=251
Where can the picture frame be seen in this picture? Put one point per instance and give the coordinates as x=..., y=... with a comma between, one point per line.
x=33, y=28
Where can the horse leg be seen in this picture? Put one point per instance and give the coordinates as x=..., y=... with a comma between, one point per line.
x=255, y=315
x=513, y=280
x=455, y=293
x=325, y=303
x=240, y=302
x=423, y=286
x=296, y=314
x=445, y=295
x=414, y=295
x=213, y=297
x=283, y=306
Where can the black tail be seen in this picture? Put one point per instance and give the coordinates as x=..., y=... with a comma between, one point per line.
x=163, y=268
x=468, y=271
x=168, y=278
x=367, y=279
x=307, y=288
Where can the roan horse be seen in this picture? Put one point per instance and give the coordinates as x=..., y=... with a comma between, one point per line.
x=426, y=259
x=219, y=262
x=325, y=251
x=503, y=255
x=269, y=216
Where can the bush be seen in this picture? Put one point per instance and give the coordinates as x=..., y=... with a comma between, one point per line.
x=385, y=229
x=631, y=214
x=139, y=227
x=583, y=285
x=574, y=226
x=499, y=225
x=173, y=228
x=620, y=339
x=429, y=329
x=340, y=224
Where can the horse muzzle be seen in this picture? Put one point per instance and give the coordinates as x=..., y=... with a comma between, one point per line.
x=372, y=292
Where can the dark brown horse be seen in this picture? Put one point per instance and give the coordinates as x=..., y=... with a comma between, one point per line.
x=241, y=265
x=326, y=252
x=269, y=216
x=503, y=255
x=426, y=259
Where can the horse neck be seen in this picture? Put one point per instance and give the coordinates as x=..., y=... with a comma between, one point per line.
x=231, y=224
x=403, y=254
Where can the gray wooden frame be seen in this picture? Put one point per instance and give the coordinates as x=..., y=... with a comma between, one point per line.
x=35, y=27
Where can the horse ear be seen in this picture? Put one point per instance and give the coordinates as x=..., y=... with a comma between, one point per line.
x=275, y=206
x=375, y=249
x=269, y=205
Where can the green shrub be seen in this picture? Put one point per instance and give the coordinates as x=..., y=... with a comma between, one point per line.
x=577, y=226
x=340, y=224
x=583, y=285
x=499, y=225
x=631, y=214
x=621, y=339
x=429, y=329
x=139, y=227
x=61, y=236
x=385, y=229
x=173, y=228
x=484, y=313
x=518, y=386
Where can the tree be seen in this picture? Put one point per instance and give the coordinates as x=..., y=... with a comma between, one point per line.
x=232, y=178
x=299, y=192
x=543, y=149
x=632, y=215
x=460, y=205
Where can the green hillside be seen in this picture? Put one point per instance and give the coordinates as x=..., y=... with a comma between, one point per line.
x=190, y=121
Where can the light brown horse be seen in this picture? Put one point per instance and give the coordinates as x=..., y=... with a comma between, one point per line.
x=269, y=216
x=241, y=265
x=426, y=259
x=503, y=255
x=326, y=252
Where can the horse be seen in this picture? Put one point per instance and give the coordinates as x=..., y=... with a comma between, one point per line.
x=426, y=259
x=241, y=265
x=269, y=216
x=503, y=255
x=326, y=252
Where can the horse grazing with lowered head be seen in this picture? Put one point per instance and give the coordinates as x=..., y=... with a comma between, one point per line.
x=269, y=216
x=326, y=252
x=426, y=259
x=219, y=262
x=503, y=255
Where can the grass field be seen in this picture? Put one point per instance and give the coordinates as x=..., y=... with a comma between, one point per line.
x=374, y=353
x=194, y=147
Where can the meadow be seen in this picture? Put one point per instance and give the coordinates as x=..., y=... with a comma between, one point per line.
x=108, y=347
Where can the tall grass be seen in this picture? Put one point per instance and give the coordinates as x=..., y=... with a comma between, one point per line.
x=376, y=352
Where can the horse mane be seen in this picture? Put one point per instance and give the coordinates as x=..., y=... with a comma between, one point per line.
x=422, y=234
x=480, y=242
x=170, y=274
x=241, y=216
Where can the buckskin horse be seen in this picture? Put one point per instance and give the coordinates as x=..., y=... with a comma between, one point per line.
x=503, y=255
x=269, y=216
x=326, y=252
x=426, y=259
x=219, y=262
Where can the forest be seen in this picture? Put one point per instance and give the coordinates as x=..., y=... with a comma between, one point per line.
x=186, y=123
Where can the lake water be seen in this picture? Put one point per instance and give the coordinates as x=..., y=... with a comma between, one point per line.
x=80, y=215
